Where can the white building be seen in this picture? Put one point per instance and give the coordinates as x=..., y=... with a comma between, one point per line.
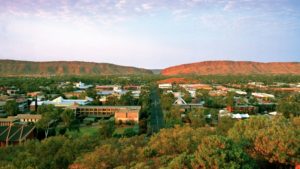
x=263, y=95
x=165, y=86
x=82, y=86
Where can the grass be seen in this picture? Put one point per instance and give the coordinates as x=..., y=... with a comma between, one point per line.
x=89, y=130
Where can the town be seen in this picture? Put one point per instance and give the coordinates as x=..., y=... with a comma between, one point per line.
x=103, y=108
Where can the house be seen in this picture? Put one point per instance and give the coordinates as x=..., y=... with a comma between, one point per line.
x=196, y=86
x=29, y=117
x=34, y=94
x=82, y=86
x=76, y=93
x=179, y=101
x=108, y=88
x=239, y=116
x=127, y=115
x=9, y=121
x=263, y=95
x=242, y=109
x=12, y=91
x=132, y=87
x=165, y=86
x=12, y=135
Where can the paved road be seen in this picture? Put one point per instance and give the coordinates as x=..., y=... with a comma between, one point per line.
x=156, y=120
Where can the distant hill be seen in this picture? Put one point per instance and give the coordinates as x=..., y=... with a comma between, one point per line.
x=234, y=67
x=28, y=68
x=156, y=71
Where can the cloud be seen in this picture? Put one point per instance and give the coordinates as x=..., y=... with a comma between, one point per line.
x=146, y=6
x=229, y=5
x=120, y=4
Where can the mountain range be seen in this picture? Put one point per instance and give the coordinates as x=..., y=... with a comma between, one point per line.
x=29, y=68
x=234, y=68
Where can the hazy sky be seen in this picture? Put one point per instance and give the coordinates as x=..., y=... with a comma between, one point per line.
x=150, y=34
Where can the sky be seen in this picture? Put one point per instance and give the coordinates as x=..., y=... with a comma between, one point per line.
x=150, y=33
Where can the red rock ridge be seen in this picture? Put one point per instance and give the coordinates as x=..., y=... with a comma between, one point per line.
x=234, y=68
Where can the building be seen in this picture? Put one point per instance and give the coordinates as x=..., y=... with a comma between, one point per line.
x=108, y=88
x=179, y=101
x=240, y=116
x=196, y=86
x=12, y=135
x=76, y=94
x=9, y=121
x=165, y=86
x=127, y=115
x=82, y=86
x=12, y=91
x=263, y=95
x=29, y=117
x=123, y=113
x=242, y=109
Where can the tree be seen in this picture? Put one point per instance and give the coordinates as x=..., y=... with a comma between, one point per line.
x=289, y=106
x=67, y=117
x=274, y=141
x=127, y=99
x=197, y=118
x=177, y=140
x=167, y=101
x=220, y=152
x=112, y=100
x=45, y=108
x=186, y=96
x=91, y=92
x=11, y=107
x=49, y=117
x=224, y=125
x=202, y=95
x=172, y=117
x=230, y=99
x=107, y=129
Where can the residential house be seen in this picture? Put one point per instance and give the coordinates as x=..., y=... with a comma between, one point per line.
x=165, y=86
x=9, y=121
x=82, y=86
x=29, y=117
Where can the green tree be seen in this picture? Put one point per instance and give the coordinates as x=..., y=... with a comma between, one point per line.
x=274, y=141
x=91, y=92
x=197, y=118
x=224, y=125
x=48, y=120
x=107, y=129
x=112, y=100
x=289, y=106
x=11, y=107
x=67, y=117
x=230, y=99
x=127, y=99
x=167, y=101
x=220, y=152
x=177, y=140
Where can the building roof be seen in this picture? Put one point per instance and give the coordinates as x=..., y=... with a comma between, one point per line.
x=8, y=119
x=29, y=116
x=120, y=107
x=15, y=133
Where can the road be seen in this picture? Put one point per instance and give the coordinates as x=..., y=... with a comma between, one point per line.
x=157, y=118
